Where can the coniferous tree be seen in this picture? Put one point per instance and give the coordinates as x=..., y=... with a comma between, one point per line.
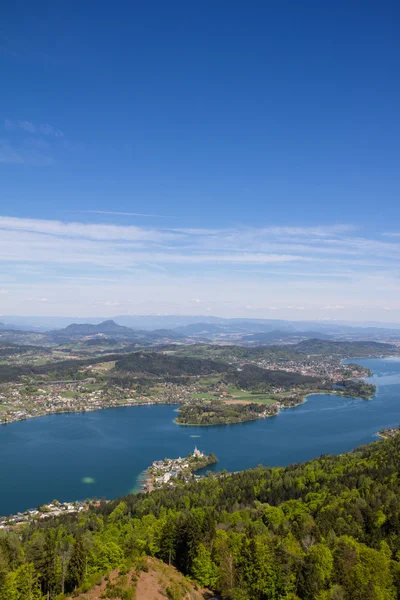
x=77, y=564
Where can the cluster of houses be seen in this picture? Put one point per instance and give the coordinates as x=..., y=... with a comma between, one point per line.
x=389, y=432
x=165, y=472
x=314, y=366
x=54, y=509
x=17, y=404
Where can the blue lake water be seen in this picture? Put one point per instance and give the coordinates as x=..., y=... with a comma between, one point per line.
x=75, y=456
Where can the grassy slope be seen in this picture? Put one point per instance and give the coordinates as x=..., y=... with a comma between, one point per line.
x=154, y=581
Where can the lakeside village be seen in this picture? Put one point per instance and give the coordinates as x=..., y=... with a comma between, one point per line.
x=174, y=471
x=390, y=432
x=162, y=473
x=54, y=509
x=20, y=401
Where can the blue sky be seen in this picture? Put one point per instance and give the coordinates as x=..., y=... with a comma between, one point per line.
x=227, y=158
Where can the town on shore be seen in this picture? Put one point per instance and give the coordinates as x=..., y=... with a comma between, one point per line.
x=279, y=376
x=389, y=432
x=162, y=473
x=53, y=509
x=174, y=471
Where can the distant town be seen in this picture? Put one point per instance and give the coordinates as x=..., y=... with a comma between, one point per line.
x=390, y=432
x=94, y=384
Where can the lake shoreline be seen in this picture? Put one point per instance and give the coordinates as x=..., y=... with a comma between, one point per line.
x=46, y=459
x=89, y=410
x=139, y=404
x=152, y=403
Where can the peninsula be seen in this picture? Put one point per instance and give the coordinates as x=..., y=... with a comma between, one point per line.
x=174, y=471
x=222, y=413
x=389, y=432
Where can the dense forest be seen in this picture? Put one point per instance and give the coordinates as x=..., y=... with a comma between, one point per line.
x=291, y=352
x=157, y=363
x=9, y=349
x=355, y=389
x=252, y=377
x=328, y=529
x=65, y=369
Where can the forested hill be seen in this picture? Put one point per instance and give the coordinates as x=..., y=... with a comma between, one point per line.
x=249, y=377
x=156, y=363
x=83, y=329
x=345, y=349
x=252, y=377
x=328, y=529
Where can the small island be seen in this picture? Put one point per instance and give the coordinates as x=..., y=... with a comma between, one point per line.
x=174, y=471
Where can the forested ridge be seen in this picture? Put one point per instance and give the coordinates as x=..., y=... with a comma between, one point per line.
x=156, y=363
x=328, y=529
x=252, y=377
x=345, y=349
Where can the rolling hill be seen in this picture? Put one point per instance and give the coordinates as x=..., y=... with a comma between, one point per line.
x=357, y=349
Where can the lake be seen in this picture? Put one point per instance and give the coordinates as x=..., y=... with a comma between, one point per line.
x=75, y=456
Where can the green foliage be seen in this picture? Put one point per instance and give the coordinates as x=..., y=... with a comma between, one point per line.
x=77, y=564
x=203, y=568
x=356, y=389
x=21, y=584
x=218, y=412
x=345, y=349
x=252, y=377
x=328, y=529
x=156, y=363
x=122, y=589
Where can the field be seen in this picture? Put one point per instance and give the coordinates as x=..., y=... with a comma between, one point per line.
x=236, y=396
x=104, y=366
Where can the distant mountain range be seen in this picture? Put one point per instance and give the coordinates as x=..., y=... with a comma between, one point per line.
x=178, y=329
x=151, y=322
x=107, y=333
x=276, y=337
x=111, y=330
x=83, y=329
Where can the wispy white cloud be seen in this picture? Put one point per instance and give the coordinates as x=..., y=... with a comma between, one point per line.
x=329, y=307
x=29, y=127
x=288, y=270
x=124, y=214
x=84, y=231
x=22, y=154
x=106, y=303
x=8, y=154
x=28, y=143
x=322, y=231
x=126, y=245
